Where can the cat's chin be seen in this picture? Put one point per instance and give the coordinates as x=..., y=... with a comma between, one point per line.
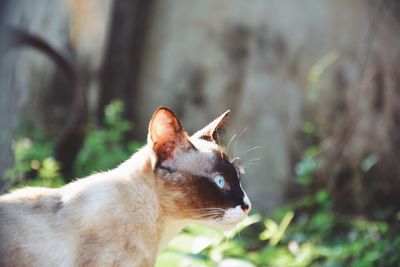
x=222, y=226
x=227, y=227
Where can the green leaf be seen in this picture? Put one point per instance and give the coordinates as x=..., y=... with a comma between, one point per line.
x=235, y=263
x=369, y=162
x=317, y=70
x=308, y=128
x=274, y=232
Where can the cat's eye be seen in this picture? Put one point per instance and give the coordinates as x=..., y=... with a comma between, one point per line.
x=219, y=180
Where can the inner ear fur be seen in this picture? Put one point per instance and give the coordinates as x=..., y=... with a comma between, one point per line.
x=166, y=134
x=209, y=132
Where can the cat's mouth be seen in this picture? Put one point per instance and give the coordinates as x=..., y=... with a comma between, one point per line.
x=227, y=219
x=233, y=216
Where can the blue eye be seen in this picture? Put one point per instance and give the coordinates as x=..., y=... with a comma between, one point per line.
x=219, y=180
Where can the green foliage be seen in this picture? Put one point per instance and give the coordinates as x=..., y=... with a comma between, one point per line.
x=306, y=168
x=203, y=246
x=106, y=147
x=274, y=232
x=33, y=165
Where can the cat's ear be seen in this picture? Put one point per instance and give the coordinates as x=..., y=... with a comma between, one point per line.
x=166, y=134
x=209, y=132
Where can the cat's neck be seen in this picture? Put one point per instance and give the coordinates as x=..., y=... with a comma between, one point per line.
x=139, y=169
x=139, y=165
x=170, y=228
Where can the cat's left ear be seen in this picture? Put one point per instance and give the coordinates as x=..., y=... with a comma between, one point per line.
x=166, y=135
x=209, y=132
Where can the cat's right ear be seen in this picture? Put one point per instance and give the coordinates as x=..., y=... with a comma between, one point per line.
x=210, y=132
x=166, y=134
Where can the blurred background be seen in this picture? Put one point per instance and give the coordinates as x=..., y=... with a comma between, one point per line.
x=313, y=87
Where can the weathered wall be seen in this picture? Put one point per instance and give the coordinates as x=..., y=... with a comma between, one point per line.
x=32, y=87
x=24, y=73
x=203, y=57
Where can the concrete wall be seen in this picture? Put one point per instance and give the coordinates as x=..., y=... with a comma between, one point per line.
x=25, y=74
x=32, y=87
x=254, y=57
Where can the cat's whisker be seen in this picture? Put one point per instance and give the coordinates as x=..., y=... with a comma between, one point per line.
x=206, y=209
x=230, y=141
x=219, y=215
x=238, y=232
x=226, y=238
x=251, y=160
x=219, y=145
x=251, y=164
x=205, y=213
x=213, y=218
x=202, y=212
x=214, y=211
x=237, y=140
x=207, y=217
x=234, y=159
x=251, y=149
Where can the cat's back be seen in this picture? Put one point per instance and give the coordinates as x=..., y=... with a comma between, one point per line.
x=30, y=197
x=84, y=223
x=30, y=219
x=29, y=206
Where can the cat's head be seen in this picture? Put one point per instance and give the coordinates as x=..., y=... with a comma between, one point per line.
x=196, y=176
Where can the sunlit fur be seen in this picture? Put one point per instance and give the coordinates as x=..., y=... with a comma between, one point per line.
x=125, y=216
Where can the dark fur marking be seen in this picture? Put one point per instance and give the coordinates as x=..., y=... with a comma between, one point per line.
x=229, y=171
x=57, y=206
x=203, y=192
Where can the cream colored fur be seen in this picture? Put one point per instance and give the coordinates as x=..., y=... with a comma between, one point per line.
x=119, y=209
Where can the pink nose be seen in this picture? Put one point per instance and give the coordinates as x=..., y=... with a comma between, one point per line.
x=245, y=208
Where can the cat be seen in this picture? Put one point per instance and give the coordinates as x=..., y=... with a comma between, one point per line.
x=125, y=216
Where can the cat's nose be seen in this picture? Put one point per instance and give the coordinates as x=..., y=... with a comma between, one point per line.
x=245, y=207
x=246, y=204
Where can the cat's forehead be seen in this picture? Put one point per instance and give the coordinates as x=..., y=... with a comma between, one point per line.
x=200, y=161
x=205, y=146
